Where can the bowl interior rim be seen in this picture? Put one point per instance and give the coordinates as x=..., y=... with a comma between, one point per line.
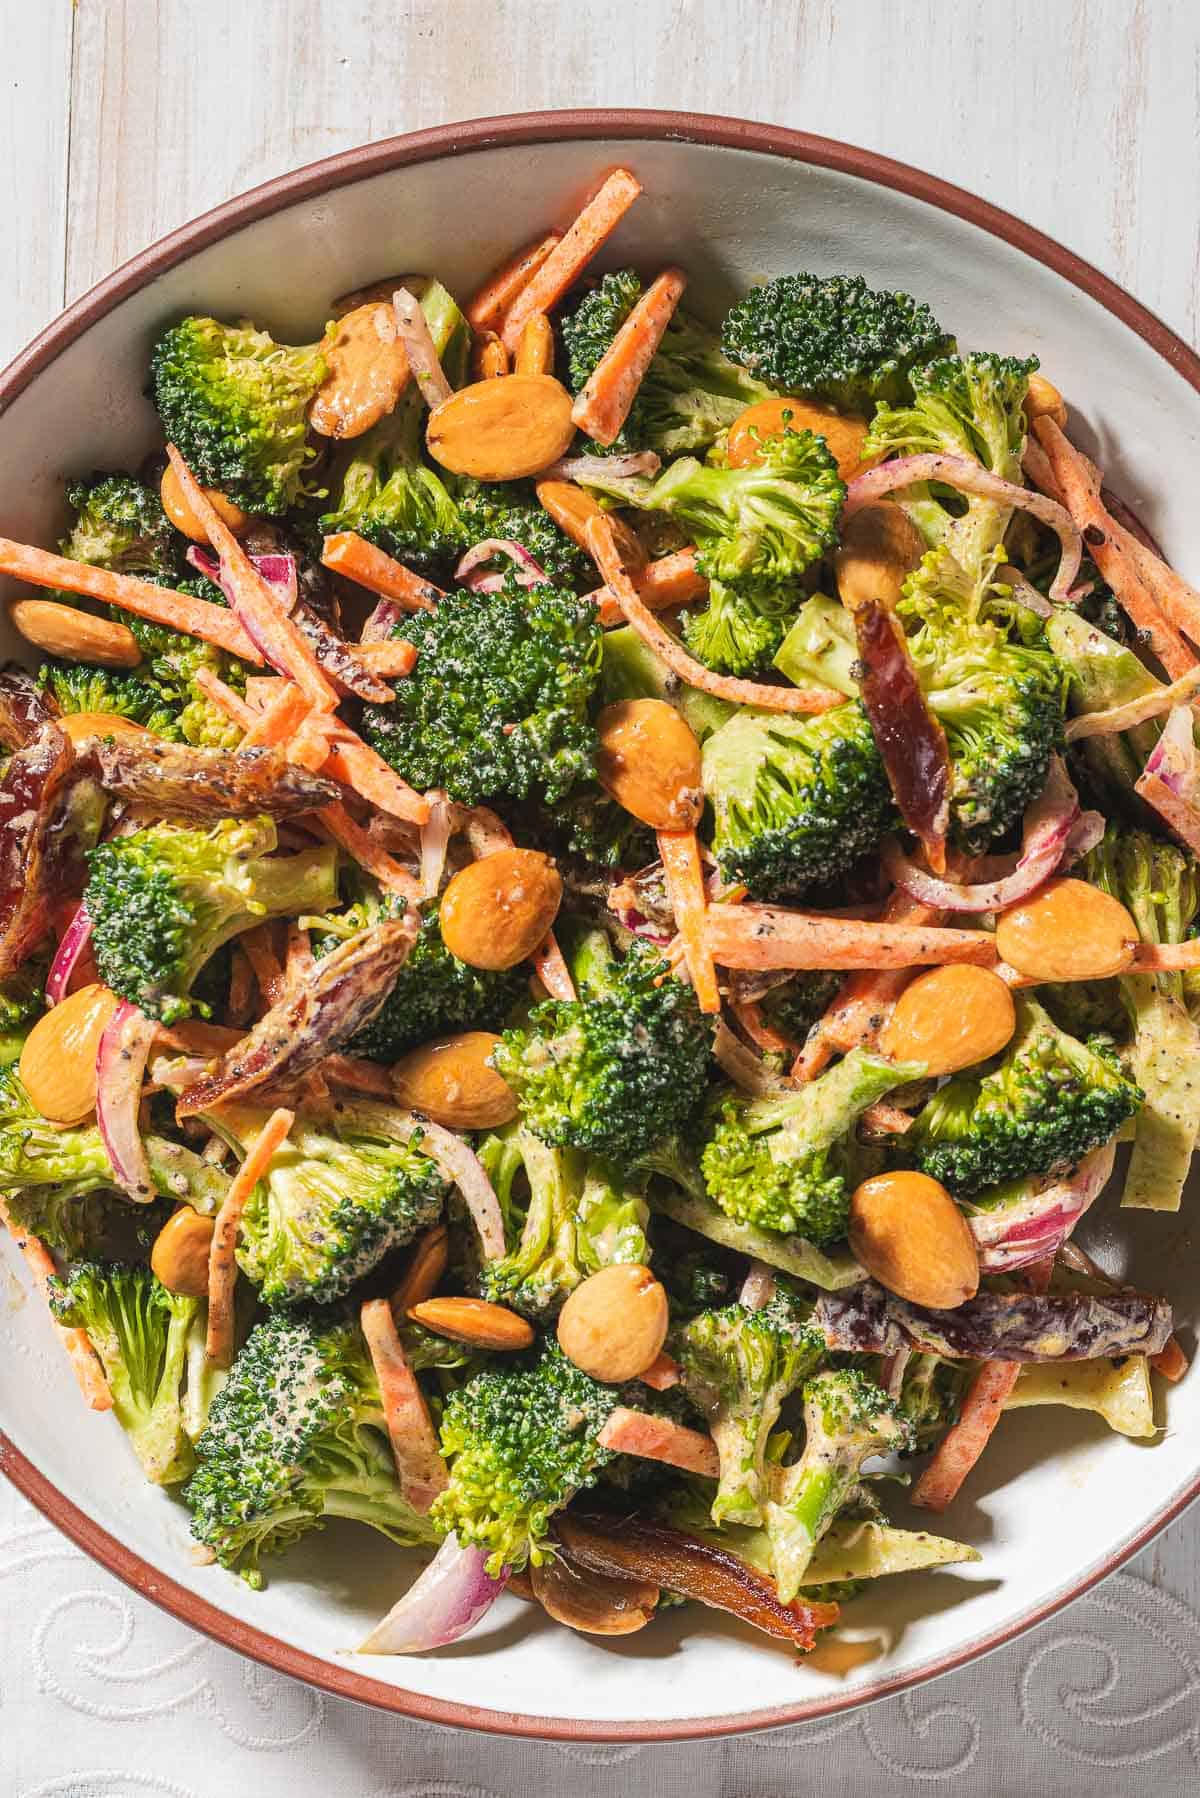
x=412, y=148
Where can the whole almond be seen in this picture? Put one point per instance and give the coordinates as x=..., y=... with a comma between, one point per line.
x=367, y=371
x=75, y=636
x=502, y=430
x=497, y=910
x=880, y=548
x=477, y=1322
x=425, y=1269
x=58, y=1061
x=573, y=507
x=451, y=1082
x=649, y=761
x=178, y=509
x=81, y=726
x=615, y=1322
x=910, y=1236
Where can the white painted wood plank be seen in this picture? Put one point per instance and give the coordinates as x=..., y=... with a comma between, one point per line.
x=33, y=167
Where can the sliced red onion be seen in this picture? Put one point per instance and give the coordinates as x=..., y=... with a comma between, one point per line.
x=435, y=840
x=601, y=468
x=1048, y=825
x=457, y=1162
x=446, y=1601
x=413, y=330
x=75, y=939
x=531, y=574
x=278, y=570
x=1136, y=711
x=1037, y=1223
x=758, y=1288
x=382, y=622
x=1087, y=830
x=969, y=477
x=120, y=1068
x=1168, y=782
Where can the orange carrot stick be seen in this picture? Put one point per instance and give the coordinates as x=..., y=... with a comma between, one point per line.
x=749, y=1014
x=284, y=645
x=668, y=649
x=863, y=1003
x=367, y=853
x=487, y=309
x=964, y=1442
x=1171, y=1362
x=679, y=851
x=358, y=1076
x=567, y=260
x=162, y=605
x=353, y=762
x=603, y=405
x=259, y=949
x=281, y=719
x=222, y=1264
x=84, y=1362
x=551, y=969
x=419, y=1465
x=349, y=554
x=629, y=1432
x=673, y=580
x=389, y=661
x=224, y=697
x=663, y=1373
x=767, y=938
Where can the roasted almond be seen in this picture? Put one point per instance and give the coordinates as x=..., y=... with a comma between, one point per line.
x=496, y=911
x=502, y=430
x=75, y=636
x=184, y=519
x=950, y=1018
x=451, y=1082
x=599, y=1604
x=535, y=352
x=180, y=1254
x=614, y=1323
x=910, y=1236
x=425, y=1268
x=83, y=726
x=58, y=1060
x=367, y=370
x=489, y=358
x=844, y=432
x=1069, y=930
x=476, y=1322
x=1043, y=400
x=649, y=760
x=572, y=508
x=880, y=547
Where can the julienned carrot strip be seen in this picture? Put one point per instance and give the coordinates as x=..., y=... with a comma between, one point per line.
x=349, y=554
x=241, y=989
x=283, y=644
x=353, y=762
x=358, y=1076
x=630, y=1432
x=390, y=661
x=663, y=1373
x=298, y=960
x=668, y=649
x=162, y=605
x=568, y=259
x=262, y=690
x=224, y=697
x=749, y=1015
x=486, y=311
x=862, y=1004
x=766, y=937
x=964, y=1442
x=309, y=746
x=551, y=969
x=673, y=580
x=420, y=1468
x=355, y=841
x=1166, y=958
x=259, y=950
x=679, y=852
x=222, y=1263
x=603, y=405
x=77, y=1343
x=1171, y=1362
x=281, y=719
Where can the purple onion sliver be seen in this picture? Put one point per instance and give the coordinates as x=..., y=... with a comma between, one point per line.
x=120, y=1068
x=75, y=940
x=446, y=1601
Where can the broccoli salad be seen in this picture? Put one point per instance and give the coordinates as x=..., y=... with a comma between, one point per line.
x=587, y=896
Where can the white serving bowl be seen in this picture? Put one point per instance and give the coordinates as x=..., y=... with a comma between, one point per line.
x=1058, y=1501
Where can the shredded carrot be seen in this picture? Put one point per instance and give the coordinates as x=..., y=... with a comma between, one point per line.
x=224, y=698
x=1171, y=1362
x=486, y=310
x=964, y=1442
x=387, y=661
x=355, y=841
x=84, y=1362
x=259, y=949
x=298, y=961
x=603, y=547
x=1166, y=958
x=162, y=605
x=222, y=1262
x=679, y=852
x=358, y=1076
x=630, y=1432
x=420, y=1468
x=571, y=255
x=241, y=986
x=349, y=554
x=284, y=645
x=611, y=388
x=552, y=970
x=862, y=1004
x=351, y=761
x=767, y=937
x=663, y=1373
x=309, y=747
x=886, y=1120
x=673, y=580
x=280, y=720
x=749, y=1014
x=263, y=690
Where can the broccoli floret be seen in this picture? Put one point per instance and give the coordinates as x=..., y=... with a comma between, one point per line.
x=834, y=336
x=690, y=393
x=739, y=1366
x=22, y=1002
x=497, y=703
x=847, y=1419
x=120, y=524
x=334, y=1201
x=434, y=994
x=796, y=801
x=140, y=1331
x=1044, y=1105
x=755, y=526
x=1102, y=673
x=616, y=1069
x=790, y=1163
x=162, y=901
x=930, y=1394
x=522, y=1438
x=592, y=826
x=512, y=512
x=296, y=1435
x=741, y=628
x=235, y=403
x=74, y=687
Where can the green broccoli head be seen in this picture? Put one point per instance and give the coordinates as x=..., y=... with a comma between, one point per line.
x=789, y=1163
x=75, y=687
x=616, y=1069
x=22, y=1002
x=296, y=1435
x=434, y=994
x=834, y=336
x=1102, y=672
x=120, y=524
x=497, y=705
x=334, y=1201
x=235, y=404
x=1046, y=1102
x=590, y=825
x=511, y=511
x=930, y=1393
x=741, y=628
x=690, y=393
x=1158, y=882
x=163, y=901
x=796, y=800
x=140, y=1331
x=847, y=1419
x=522, y=1440
x=738, y=1367
x=755, y=526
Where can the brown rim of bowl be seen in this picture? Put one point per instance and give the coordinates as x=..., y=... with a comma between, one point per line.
x=337, y=171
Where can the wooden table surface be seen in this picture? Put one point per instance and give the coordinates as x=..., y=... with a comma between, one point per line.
x=124, y=118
